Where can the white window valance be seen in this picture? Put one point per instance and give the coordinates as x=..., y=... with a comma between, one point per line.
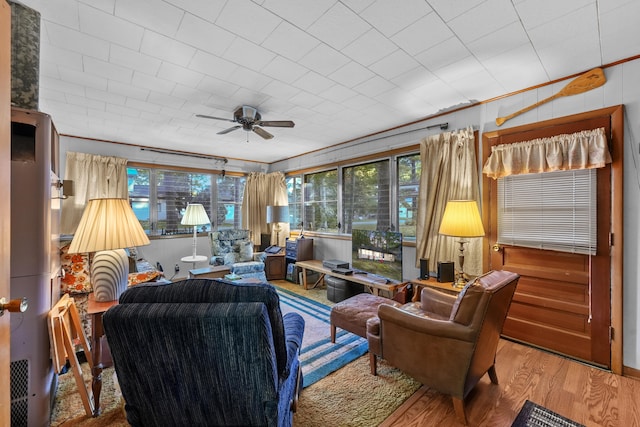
x=581, y=150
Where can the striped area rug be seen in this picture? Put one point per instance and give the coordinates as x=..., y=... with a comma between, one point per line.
x=319, y=357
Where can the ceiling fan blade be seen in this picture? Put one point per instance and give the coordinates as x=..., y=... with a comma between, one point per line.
x=204, y=116
x=231, y=129
x=277, y=123
x=263, y=133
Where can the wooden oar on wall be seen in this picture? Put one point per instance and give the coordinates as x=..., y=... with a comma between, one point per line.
x=584, y=83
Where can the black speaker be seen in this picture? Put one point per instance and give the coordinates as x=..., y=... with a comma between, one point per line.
x=424, y=268
x=445, y=271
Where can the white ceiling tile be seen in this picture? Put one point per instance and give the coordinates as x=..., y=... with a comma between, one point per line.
x=55, y=54
x=105, y=96
x=290, y=42
x=409, y=80
x=134, y=60
x=374, y=86
x=165, y=48
x=205, y=9
x=156, y=15
x=339, y=26
x=248, y=54
x=324, y=59
x=443, y=54
x=233, y=18
x=299, y=13
x=209, y=85
x=83, y=101
x=576, y=50
x=152, y=83
x=84, y=79
x=143, y=105
x=439, y=94
x=284, y=70
x=575, y=24
x=448, y=9
x=199, y=33
x=351, y=74
x=305, y=100
x=394, y=64
x=63, y=12
x=358, y=5
x=212, y=65
x=248, y=79
x=369, y=48
x=122, y=110
x=478, y=86
x=277, y=89
x=127, y=90
x=313, y=82
x=179, y=74
x=483, y=19
x=107, y=70
x=108, y=27
x=500, y=41
x=423, y=34
x=52, y=95
x=537, y=12
x=338, y=93
x=517, y=68
x=390, y=17
x=108, y=6
x=165, y=100
x=74, y=41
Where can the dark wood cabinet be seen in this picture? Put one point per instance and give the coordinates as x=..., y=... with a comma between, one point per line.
x=296, y=250
x=275, y=266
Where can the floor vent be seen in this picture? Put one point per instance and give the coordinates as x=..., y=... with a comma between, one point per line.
x=19, y=393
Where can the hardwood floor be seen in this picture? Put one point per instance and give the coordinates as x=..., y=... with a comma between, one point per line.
x=577, y=391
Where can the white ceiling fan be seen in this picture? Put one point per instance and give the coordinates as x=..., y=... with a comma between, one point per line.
x=249, y=119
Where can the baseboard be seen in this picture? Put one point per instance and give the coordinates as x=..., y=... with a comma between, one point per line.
x=631, y=372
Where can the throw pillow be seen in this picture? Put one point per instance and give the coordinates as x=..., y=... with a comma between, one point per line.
x=77, y=277
x=144, y=276
x=245, y=252
x=230, y=258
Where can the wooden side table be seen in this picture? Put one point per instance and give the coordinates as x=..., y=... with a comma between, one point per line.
x=95, y=310
x=211, y=272
x=432, y=283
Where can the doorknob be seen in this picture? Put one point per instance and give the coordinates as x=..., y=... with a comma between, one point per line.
x=496, y=247
x=14, y=305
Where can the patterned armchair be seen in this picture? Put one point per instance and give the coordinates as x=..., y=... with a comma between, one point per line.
x=235, y=249
x=205, y=352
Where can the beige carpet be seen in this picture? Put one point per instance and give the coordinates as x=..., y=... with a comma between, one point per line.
x=351, y=396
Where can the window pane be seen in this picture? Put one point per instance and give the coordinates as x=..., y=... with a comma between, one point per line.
x=365, y=197
x=229, y=201
x=294, y=193
x=139, y=196
x=409, y=169
x=321, y=201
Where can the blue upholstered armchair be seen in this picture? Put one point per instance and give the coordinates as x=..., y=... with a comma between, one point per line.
x=205, y=352
x=235, y=249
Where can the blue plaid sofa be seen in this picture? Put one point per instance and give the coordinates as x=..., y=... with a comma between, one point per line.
x=205, y=352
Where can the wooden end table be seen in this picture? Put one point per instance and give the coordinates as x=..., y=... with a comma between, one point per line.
x=95, y=310
x=211, y=272
x=432, y=283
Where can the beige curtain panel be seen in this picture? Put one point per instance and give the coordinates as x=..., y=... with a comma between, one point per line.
x=262, y=190
x=449, y=172
x=581, y=150
x=93, y=177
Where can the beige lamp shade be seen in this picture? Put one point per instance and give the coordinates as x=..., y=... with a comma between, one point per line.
x=106, y=227
x=277, y=214
x=107, y=224
x=195, y=215
x=461, y=218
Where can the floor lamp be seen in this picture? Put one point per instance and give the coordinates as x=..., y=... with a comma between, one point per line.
x=107, y=227
x=277, y=215
x=461, y=219
x=195, y=215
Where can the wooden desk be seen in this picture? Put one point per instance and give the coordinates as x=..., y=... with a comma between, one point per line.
x=368, y=280
x=95, y=310
x=431, y=283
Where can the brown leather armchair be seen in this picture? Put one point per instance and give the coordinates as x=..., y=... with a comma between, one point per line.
x=446, y=342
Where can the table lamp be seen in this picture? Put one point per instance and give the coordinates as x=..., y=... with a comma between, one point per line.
x=461, y=219
x=195, y=215
x=277, y=215
x=107, y=227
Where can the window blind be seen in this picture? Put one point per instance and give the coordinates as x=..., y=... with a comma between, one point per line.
x=552, y=211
